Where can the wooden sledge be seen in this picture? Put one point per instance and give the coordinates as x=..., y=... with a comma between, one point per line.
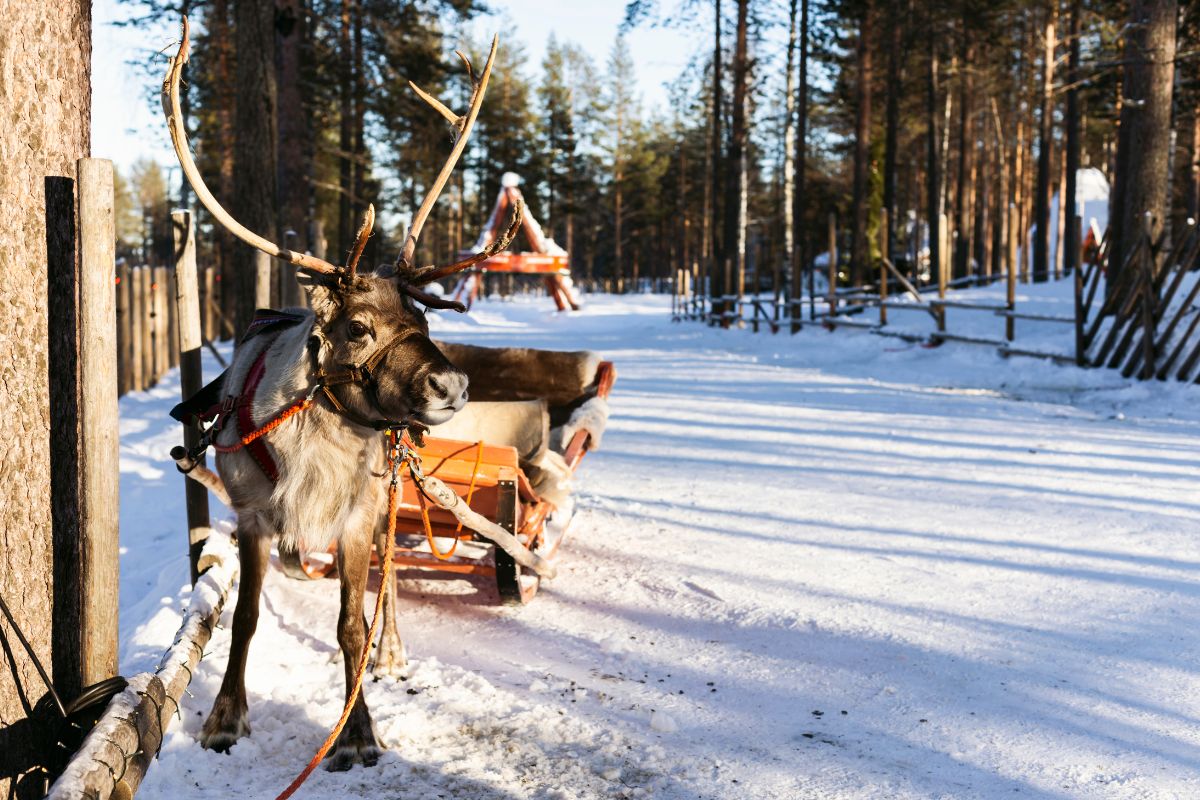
x=491, y=478
x=545, y=258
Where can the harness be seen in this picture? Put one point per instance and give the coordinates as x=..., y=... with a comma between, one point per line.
x=205, y=407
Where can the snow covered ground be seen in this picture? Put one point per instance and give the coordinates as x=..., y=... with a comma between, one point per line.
x=823, y=566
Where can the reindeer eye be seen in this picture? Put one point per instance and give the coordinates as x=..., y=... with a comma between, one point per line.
x=356, y=329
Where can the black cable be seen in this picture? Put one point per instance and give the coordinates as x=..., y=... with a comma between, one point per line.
x=36, y=661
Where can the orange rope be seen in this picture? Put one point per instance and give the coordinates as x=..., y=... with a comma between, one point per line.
x=474, y=475
x=302, y=405
x=393, y=496
x=440, y=555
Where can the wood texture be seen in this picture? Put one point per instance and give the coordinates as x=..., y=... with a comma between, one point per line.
x=191, y=374
x=137, y=331
x=99, y=481
x=45, y=111
x=132, y=727
x=255, y=142
x=124, y=343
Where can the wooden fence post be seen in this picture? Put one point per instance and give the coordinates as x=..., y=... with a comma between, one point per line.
x=124, y=343
x=943, y=265
x=191, y=375
x=1149, y=303
x=147, y=293
x=262, y=280
x=1010, y=296
x=833, y=263
x=159, y=294
x=1080, y=350
x=137, y=325
x=172, y=320
x=98, y=478
x=883, y=271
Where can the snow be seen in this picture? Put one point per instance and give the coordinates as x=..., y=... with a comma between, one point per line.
x=826, y=565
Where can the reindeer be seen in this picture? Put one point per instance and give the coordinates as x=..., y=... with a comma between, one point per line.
x=363, y=359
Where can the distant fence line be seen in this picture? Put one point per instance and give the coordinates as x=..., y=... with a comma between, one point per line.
x=1144, y=324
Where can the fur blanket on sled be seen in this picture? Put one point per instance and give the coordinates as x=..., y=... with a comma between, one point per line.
x=533, y=400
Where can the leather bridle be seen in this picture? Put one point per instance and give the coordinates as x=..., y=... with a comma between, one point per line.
x=360, y=375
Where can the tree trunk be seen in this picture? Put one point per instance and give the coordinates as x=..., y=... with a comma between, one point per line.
x=1041, y=242
x=45, y=99
x=966, y=161
x=358, y=204
x=345, y=128
x=892, y=123
x=932, y=176
x=801, y=259
x=618, y=203
x=1144, y=137
x=221, y=40
x=859, y=248
x=255, y=137
x=735, y=186
x=1193, y=202
x=789, y=145
x=716, y=288
x=294, y=136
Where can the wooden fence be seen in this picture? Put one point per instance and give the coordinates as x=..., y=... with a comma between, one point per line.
x=148, y=323
x=1145, y=324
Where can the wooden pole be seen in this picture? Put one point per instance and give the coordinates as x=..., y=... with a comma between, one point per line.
x=727, y=305
x=172, y=320
x=97, y=499
x=883, y=272
x=147, y=298
x=1077, y=273
x=209, y=305
x=191, y=374
x=159, y=287
x=943, y=256
x=124, y=340
x=137, y=325
x=833, y=263
x=262, y=280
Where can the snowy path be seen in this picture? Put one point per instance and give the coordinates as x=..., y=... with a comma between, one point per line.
x=827, y=566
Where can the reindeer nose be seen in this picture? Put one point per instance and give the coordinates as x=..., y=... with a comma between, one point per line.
x=448, y=388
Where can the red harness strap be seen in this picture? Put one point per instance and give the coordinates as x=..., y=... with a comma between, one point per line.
x=245, y=410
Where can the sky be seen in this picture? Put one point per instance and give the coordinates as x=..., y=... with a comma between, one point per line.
x=125, y=127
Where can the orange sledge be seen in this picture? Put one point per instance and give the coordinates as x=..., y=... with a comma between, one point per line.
x=502, y=479
x=545, y=258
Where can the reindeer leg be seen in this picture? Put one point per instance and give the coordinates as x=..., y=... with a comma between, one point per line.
x=357, y=743
x=390, y=658
x=226, y=722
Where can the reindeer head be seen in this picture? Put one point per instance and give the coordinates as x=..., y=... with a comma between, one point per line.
x=370, y=342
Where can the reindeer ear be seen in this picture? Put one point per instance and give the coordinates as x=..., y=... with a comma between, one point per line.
x=323, y=296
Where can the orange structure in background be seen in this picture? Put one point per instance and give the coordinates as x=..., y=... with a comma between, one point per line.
x=546, y=258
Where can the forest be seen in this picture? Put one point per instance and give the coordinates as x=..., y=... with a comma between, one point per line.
x=970, y=112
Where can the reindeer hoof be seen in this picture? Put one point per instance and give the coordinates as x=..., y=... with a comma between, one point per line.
x=224, y=726
x=390, y=660
x=353, y=750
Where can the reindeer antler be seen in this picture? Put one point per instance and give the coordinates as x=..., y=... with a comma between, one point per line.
x=360, y=242
x=431, y=274
x=462, y=130
x=175, y=127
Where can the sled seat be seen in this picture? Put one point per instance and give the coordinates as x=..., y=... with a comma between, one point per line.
x=533, y=415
